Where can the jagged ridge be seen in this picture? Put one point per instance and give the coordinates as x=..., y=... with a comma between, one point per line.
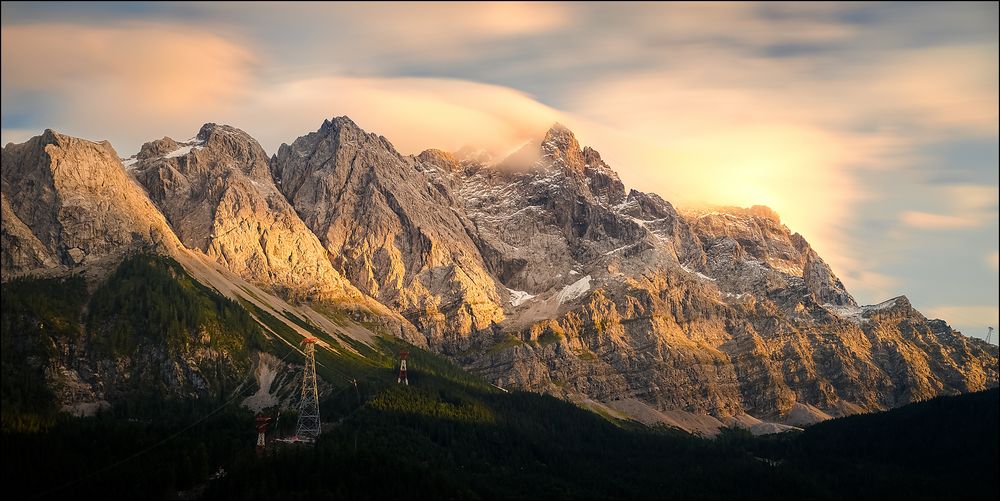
x=538, y=271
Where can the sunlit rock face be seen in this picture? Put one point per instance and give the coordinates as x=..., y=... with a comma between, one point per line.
x=67, y=202
x=391, y=228
x=721, y=310
x=217, y=192
x=538, y=271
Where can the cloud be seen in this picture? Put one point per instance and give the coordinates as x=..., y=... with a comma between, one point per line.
x=951, y=88
x=157, y=68
x=742, y=24
x=421, y=24
x=928, y=221
x=354, y=38
x=139, y=81
x=170, y=81
x=973, y=317
x=972, y=197
x=993, y=260
x=973, y=206
x=800, y=134
x=413, y=113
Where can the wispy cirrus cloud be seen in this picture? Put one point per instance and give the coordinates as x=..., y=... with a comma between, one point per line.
x=169, y=80
x=928, y=221
x=152, y=68
x=972, y=206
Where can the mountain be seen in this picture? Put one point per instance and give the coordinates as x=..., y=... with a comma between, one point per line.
x=538, y=271
x=67, y=202
x=103, y=303
x=216, y=192
x=619, y=298
x=390, y=229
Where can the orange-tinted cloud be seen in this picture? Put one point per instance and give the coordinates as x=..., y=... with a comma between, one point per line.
x=928, y=221
x=971, y=205
x=730, y=128
x=153, y=69
x=413, y=113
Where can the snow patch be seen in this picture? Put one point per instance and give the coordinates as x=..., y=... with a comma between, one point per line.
x=619, y=249
x=129, y=163
x=856, y=314
x=847, y=312
x=517, y=298
x=700, y=275
x=185, y=148
x=884, y=305
x=574, y=290
x=179, y=152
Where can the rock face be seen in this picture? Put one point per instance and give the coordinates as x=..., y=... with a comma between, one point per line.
x=722, y=311
x=538, y=271
x=67, y=202
x=750, y=250
x=21, y=248
x=217, y=193
x=392, y=230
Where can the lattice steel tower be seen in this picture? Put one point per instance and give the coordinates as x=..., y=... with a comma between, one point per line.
x=262, y=422
x=402, y=369
x=308, y=426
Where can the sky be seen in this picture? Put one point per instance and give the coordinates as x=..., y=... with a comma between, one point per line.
x=870, y=127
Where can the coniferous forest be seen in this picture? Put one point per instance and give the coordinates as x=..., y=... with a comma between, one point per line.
x=446, y=435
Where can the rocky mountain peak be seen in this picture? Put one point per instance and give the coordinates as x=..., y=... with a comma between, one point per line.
x=561, y=137
x=157, y=148
x=743, y=213
x=546, y=278
x=343, y=122
x=69, y=201
x=208, y=129
x=236, y=147
x=52, y=137
x=342, y=132
x=765, y=211
x=440, y=159
x=561, y=149
x=388, y=227
x=341, y=136
x=51, y=145
x=561, y=145
x=217, y=192
x=213, y=150
x=216, y=132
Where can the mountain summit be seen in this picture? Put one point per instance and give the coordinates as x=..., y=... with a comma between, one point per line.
x=217, y=192
x=389, y=228
x=67, y=202
x=538, y=271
